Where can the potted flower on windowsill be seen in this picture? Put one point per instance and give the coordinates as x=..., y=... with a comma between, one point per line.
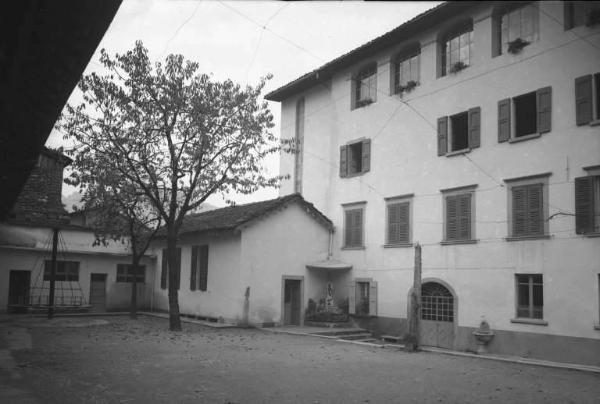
x=593, y=17
x=408, y=87
x=517, y=45
x=458, y=66
x=363, y=102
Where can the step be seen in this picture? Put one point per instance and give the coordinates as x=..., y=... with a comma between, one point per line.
x=341, y=332
x=353, y=337
x=391, y=338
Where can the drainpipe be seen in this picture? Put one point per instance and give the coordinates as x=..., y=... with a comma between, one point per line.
x=330, y=250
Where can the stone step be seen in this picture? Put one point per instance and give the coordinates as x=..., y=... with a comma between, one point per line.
x=354, y=337
x=342, y=331
x=391, y=338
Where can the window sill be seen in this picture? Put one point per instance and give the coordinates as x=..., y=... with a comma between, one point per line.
x=399, y=245
x=531, y=321
x=355, y=174
x=595, y=122
x=354, y=248
x=524, y=138
x=458, y=152
x=521, y=238
x=451, y=242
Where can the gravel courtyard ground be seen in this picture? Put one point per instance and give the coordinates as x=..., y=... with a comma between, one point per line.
x=116, y=360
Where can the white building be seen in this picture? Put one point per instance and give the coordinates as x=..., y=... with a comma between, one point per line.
x=472, y=130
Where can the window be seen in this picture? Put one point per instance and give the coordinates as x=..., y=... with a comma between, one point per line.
x=299, y=145
x=459, y=214
x=398, y=222
x=459, y=132
x=66, y=271
x=437, y=303
x=578, y=13
x=516, y=28
x=532, y=115
x=587, y=99
x=364, y=87
x=199, y=268
x=125, y=273
x=362, y=300
x=530, y=296
x=353, y=226
x=587, y=204
x=406, y=71
x=164, y=278
x=355, y=158
x=457, y=50
x=528, y=209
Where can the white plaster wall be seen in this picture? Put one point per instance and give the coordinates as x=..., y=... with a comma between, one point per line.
x=224, y=296
x=404, y=160
x=281, y=243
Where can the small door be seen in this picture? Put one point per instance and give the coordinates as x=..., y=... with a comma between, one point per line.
x=292, y=302
x=18, y=287
x=97, y=292
x=437, y=316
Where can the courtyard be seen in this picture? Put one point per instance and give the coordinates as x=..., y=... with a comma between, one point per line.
x=118, y=360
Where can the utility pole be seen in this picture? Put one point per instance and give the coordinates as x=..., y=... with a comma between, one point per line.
x=415, y=302
x=52, y=273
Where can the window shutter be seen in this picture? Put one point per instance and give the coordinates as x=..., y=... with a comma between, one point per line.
x=348, y=229
x=464, y=216
x=178, y=268
x=535, y=209
x=357, y=228
x=519, y=211
x=343, y=161
x=366, y=155
x=583, y=100
x=403, y=222
x=373, y=91
x=442, y=126
x=503, y=120
x=373, y=298
x=393, y=225
x=584, y=205
x=163, y=270
x=544, y=109
x=474, y=127
x=203, y=284
x=352, y=298
x=451, y=218
x=193, y=268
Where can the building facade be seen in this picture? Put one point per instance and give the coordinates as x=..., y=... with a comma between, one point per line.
x=472, y=130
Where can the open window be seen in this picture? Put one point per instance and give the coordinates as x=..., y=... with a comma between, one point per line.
x=362, y=297
x=525, y=116
x=587, y=99
x=355, y=158
x=364, y=86
x=459, y=132
x=514, y=27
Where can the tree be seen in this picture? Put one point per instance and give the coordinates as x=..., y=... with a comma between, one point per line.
x=176, y=135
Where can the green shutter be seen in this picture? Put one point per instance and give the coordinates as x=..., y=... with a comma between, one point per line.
x=464, y=216
x=535, y=201
x=584, y=204
x=451, y=217
x=474, y=127
x=393, y=235
x=203, y=263
x=164, y=269
x=343, y=161
x=583, y=100
x=193, y=267
x=366, y=155
x=519, y=211
x=503, y=120
x=357, y=228
x=544, y=109
x=442, y=129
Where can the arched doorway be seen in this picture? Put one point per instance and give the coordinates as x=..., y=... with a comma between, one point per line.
x=437, y=316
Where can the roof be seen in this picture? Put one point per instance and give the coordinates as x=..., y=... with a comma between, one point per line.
x=232, y=217
x=421, y=22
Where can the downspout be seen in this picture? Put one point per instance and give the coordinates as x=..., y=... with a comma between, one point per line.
x=330, y=250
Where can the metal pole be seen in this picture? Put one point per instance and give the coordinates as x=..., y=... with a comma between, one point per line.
x=52, y=272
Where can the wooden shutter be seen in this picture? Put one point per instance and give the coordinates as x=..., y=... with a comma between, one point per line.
x=352, y=298
x=442, y=129
x=357, y=228
x=373, y=298
x=584, y=205
x=203, y=264
x=583, y=100
x=464, y=216
x=503, y=120
x=373, y=90
x=164, y=268
x=535, y=202
x=366, y=155
x=544, y=109
x=519, y=211
x=194, y=268
x=474, y=127
x=343, y=161
x=393, y=225
x=451, y=217
x=404, y=222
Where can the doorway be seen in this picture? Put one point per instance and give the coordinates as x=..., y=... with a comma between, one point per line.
x=437, y=316
x=18, y=288
x=292, y=301
x=97, y=293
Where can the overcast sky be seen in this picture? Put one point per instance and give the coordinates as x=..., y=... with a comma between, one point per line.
x=247, y=40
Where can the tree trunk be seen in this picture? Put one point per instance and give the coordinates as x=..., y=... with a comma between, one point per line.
x=174, y=320
x=133, y=307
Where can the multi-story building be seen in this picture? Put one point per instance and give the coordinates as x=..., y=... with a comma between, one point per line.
x=473, y=130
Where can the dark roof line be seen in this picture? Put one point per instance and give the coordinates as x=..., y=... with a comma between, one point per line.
x=422, y=21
